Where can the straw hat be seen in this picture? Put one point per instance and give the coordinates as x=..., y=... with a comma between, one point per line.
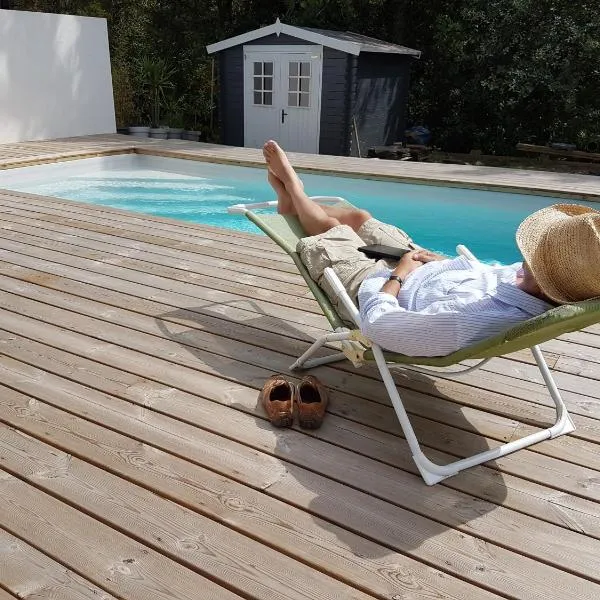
x=561, y=245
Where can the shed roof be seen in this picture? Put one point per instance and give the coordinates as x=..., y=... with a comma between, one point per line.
x=352, y=43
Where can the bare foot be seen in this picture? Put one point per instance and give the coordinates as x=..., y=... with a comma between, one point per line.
x=278, y=163
x=285, y=206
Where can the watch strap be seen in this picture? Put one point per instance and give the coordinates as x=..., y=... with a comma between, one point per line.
x=396, y=278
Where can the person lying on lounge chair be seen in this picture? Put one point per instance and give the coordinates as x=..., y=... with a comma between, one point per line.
x=426, y=304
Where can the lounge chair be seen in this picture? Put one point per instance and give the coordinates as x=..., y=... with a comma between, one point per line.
x=286, y=231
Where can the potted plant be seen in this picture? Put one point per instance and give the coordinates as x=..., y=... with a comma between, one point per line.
x=174, y=111
x=157, y=79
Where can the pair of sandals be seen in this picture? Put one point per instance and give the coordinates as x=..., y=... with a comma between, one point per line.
x=281, y=398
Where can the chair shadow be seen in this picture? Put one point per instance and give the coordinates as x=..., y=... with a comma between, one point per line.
x=355, y=474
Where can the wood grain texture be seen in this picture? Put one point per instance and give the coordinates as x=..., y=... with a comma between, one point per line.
x=28, y=573
x=523, y=495
x=167, y=527
x=462, y=554
x=123, y=566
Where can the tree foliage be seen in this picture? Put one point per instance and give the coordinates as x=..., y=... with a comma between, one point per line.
x=493, y=72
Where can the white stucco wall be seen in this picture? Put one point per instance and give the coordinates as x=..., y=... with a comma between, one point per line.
x=55, y=78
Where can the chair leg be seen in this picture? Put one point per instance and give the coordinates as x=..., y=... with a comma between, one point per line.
x=433, y=473
x=305, y=361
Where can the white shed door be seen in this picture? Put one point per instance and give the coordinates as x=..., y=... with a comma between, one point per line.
x=282, y=96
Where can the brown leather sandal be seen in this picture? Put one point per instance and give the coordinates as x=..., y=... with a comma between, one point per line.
x=277, y=398
x=311, y=402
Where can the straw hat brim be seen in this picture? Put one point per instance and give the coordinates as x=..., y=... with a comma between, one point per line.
x=545, y=257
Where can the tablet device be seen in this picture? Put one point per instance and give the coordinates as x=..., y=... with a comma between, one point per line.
x=379, y=251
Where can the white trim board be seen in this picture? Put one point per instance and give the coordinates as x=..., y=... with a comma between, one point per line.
x=278, y=28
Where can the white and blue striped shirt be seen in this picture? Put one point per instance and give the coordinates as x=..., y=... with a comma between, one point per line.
x=444, y=306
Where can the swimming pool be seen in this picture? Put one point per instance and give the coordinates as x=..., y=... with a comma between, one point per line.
x=436, y=217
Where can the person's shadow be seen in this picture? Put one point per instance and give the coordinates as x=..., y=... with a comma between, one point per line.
x=355, y=474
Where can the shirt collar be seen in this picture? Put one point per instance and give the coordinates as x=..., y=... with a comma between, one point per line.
x=514, y=296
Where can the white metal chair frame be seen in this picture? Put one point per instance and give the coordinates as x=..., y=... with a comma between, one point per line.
x=353, y=346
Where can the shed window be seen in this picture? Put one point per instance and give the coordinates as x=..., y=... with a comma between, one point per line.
x=299, y=84
x=263, y=83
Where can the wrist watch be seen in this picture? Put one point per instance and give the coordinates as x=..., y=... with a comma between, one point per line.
x=396, y=278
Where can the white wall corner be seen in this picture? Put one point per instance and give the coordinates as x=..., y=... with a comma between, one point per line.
x=55, y=77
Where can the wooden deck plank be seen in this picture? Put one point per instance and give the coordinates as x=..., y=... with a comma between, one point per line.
x=203, y=274
x=505, y=572
x=283, y=527
x=138, y=232
x=166, y=225
x=104, y=556
x=173, y=436
x=128, y=354
x=149, y=252
x=198, y=353
x=28, y=573
x=522, y=495
x=196, y=541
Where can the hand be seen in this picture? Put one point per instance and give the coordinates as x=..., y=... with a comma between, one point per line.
x=407, y=264
x=425, y=256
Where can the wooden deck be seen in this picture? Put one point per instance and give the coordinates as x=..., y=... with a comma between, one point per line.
x=136, y=464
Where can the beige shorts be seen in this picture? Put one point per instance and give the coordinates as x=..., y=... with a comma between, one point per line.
x=338, y=249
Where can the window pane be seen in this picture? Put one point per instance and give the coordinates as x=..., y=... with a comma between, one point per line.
x=305, y=85
x=257, y=98
x=293, y=87
x=268, y=99
x=268, y=68
x=305, y=68
x=258, y=68
x=268, y=83
x=304, y=99
x=258, y=84
x=293, y=68
x=292, y=99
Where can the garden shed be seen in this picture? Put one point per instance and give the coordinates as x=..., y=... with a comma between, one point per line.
x=313, y=90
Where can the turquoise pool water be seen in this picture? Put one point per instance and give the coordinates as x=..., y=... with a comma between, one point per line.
x=436, y=217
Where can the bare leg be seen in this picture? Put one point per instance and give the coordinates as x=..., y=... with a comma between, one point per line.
x=285, y=206
x=314, y=217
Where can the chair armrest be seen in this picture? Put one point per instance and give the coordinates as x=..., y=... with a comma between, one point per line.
x=464, y=251
x=342, y=294
x=244, y=208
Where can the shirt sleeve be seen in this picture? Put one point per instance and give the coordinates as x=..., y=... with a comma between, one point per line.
x=407, y=332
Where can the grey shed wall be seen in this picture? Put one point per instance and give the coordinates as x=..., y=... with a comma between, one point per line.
x=336, y=94
x=381, y=97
